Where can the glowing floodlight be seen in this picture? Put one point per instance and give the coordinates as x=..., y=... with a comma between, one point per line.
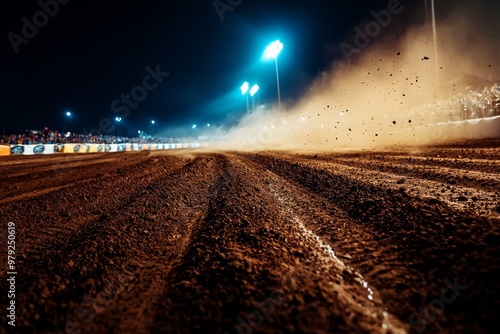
x=244, y=88
x=244, y=91
x=273, y=50
x=254, y=90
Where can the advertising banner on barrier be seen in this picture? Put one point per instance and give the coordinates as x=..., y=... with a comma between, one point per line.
x=95, y=148
x=80, y=148
x=32, y=149
x=74, y=148
x=117, y=147
x=4, y=150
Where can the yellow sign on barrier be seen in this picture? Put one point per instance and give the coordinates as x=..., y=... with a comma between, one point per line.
x=4, y=150
x=75, y=148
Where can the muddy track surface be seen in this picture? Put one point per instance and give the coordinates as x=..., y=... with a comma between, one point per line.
x=270, y=242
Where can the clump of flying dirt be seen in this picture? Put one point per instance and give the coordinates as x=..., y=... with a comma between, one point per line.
x=389, y=97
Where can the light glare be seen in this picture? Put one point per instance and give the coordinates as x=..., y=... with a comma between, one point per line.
x=254, y=90
x=273, y=50
x=244, y=88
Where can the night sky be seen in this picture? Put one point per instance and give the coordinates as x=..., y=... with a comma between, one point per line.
x=91, y=52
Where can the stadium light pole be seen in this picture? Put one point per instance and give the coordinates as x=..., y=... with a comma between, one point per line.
x=434, y=33
x=151, y=128
x=118, y=120
x=272, y=51
x=66, y=119
x=253, y=91
x=244, y=91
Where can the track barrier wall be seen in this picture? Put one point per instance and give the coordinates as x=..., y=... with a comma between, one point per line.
x=91, y=148
x=482, y=128
x=4, y=150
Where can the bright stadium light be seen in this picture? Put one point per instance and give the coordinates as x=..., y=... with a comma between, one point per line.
x=194, y=126
x=244, y=91
x=118, y=120
x=244, y=88
x=153, y=122
x=66, y=119
x=253, y=91
x=208, y=125
x=272, y=52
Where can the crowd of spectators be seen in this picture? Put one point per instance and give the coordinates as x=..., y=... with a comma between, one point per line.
x=468, y=105
x=46, y=136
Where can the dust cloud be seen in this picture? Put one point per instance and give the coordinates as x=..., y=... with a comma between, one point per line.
x=389, y=96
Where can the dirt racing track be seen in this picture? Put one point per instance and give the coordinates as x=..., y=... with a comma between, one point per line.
x=270, y=242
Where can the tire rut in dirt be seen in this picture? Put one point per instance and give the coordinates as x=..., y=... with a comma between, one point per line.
x=433, y=240
x=63, y=171
x=487, y=178
x=75, y=280
x=476, y=192
x=250, y=267
x=269, y=243
x=45, y=220
x=185, y=196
